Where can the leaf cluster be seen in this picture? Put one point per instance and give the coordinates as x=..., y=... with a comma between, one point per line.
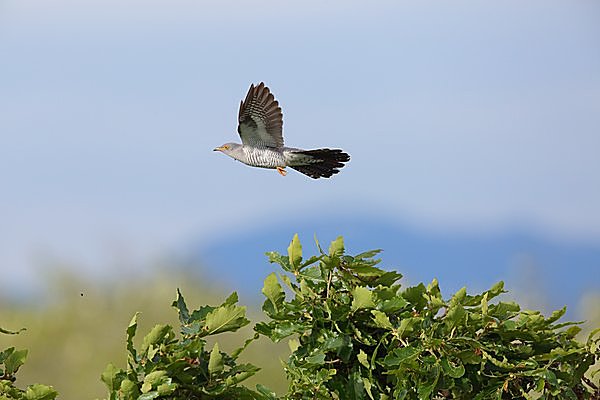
x=356, y=334
x=10, y=362
x=170, y=366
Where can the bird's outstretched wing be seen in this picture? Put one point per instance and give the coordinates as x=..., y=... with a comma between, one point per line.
x=260, y=118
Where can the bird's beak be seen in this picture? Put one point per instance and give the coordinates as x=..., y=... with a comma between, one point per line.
x=218, y=149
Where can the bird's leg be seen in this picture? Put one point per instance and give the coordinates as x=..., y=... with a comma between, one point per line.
x=282, y=171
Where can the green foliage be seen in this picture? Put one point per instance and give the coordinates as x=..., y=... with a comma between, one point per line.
x=170, y=367
x=356, y=334
x=10, y=362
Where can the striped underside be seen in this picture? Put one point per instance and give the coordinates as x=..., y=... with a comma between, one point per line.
x=263, y=157
x=319, y=163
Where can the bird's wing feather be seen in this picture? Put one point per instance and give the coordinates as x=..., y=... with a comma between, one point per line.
x=260, y=120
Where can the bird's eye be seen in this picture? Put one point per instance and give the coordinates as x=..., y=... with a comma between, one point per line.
x=226, y=147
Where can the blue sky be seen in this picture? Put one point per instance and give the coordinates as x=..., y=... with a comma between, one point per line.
x=462, y=117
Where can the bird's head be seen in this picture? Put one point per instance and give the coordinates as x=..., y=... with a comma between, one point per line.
x=228, y=148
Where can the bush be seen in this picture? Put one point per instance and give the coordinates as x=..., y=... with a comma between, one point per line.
x=183, y=368
x=358, y=335
x=354, y=333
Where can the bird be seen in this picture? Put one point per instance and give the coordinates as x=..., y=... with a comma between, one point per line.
x=260, y=126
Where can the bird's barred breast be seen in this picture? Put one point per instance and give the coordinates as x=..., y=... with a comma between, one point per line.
x=264, y=157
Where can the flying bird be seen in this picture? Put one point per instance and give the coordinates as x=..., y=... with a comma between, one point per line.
x=260, y=125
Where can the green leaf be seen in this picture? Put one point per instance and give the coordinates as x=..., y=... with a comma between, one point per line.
x=363, y=359
x=336, y=248
x=374, y=276
x=407, y=325
x=368, y=254
x=459, y=297
x=501, y=363
x=198, y=316
x=167, y=388
x=318, y=245
x=215, y=362
x=310, y=261
x=426, y=387
x=153, y=381
x=232, y=299
x=131, y=330
x=313, y=275
x=179, y=304
x=455, y=315
x=433, y=289
x=503, y=310
x=393, y=305
x=273, y=292
x=496, y=290
x=401, y=355
x=484, y=305
x=277, y=258
x=415, y=295
x=40, y=392
x=354, y=389
x=242, y=372
x=158, y=335
x=288, y=282
x=556, y=315
x=381, y=320
x=572, y=331
x=149, y=396
x=5, y=331
x=454, y=369
x=267, y=393
x=295, y=252
x=334, y=342
x=316, y=359
x=14, y=361
x=293, y=344
x=147, y=390
x=235, y=354
x=368, y=387
x=469, y=357
x=111, y=377
x=362, y=298
x=280, y=330
x=155, y=378
x=129, y=390
x=387, y=279
x=225, y=319
x=4, y=354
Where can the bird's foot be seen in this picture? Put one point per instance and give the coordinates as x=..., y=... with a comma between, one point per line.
x=281, y=171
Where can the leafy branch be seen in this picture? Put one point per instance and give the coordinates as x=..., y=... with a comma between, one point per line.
x=10, y=362
x=167, y=366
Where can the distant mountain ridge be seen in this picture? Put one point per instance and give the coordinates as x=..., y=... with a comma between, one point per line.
x=558, y=272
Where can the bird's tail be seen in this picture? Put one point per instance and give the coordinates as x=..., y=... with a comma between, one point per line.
x=320, y=163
